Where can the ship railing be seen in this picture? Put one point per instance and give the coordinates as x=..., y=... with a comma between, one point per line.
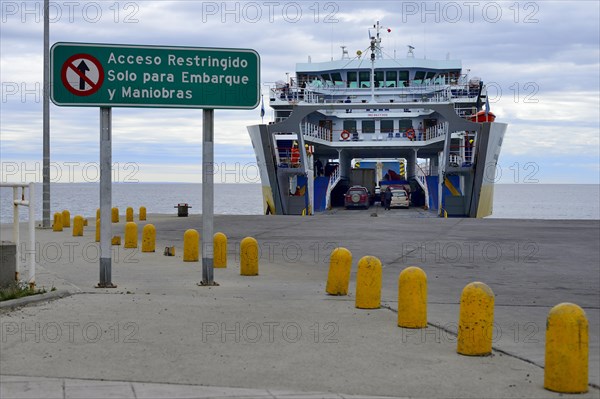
x=288, y=157
x=334, y=179
x=319, y=132
x=441, y=129
x=422, y=181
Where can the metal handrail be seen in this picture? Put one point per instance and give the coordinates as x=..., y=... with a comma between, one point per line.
x=30, y=203
x=334, y=179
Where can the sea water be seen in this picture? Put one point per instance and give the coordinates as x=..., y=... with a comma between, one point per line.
x=512, y=201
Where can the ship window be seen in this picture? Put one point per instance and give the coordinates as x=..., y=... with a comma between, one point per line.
x=403, y=78
x=404, y=124
x=325, y=76
x=350, y=126
x=419, y=76
x=364, y=79
x=390, y=78
x=337, y=79
x=378, y=78
x=368, y=126
x=351, y=78
x=387, y=126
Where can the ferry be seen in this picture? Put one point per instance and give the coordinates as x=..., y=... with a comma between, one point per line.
x=421, y=123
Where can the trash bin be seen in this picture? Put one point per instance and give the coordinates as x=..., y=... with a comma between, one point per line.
x=182, y=210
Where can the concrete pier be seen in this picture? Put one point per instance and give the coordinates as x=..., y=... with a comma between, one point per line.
x=279, y=334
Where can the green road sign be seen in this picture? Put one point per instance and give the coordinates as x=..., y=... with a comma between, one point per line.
x=118, y=75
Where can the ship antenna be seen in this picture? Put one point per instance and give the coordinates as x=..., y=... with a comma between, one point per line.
x=345, y=55
x=411, y=53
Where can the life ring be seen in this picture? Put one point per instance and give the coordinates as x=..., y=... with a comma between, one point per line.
x=410, y=134
x=345, y=135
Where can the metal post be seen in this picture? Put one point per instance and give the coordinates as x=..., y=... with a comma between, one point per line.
x=31, y=221
x=105, y=197
x=16, y=224
x=46, y=121
x=208, y=117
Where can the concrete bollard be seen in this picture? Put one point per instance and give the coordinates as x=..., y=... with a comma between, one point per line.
x=220, y=248
x=191, y=242
x=66, y=218
x=57, y=225
x=249, y=257
x=368, y=283
x=142, y=216
x=78, y=226
x=131, y=235
x=566, y=364
x=116, y=240
x=340, y=265
x=412, y=298
x=98, y=230
x=149, y=238
x=115, y=215
x=129, y=214
x=476, y=320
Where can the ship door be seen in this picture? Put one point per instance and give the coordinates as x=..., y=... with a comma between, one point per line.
x=327, y=124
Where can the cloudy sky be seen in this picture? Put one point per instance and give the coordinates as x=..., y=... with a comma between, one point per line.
x=540, y=60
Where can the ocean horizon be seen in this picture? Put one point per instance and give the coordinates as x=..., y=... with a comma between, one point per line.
x=511, y=201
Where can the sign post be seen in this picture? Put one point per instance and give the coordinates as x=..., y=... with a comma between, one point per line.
x=121, y=75
x=105, y=198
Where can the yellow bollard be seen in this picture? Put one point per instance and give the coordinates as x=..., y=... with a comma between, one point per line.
x=412, y=298
x=77, y=226
x=85, y=222
x=142, y=213
x=220, y=248
x=149, y=238
x=98, y=213
x=476, y=320
x=191, y=242
x=368, y=283
x=98, y=230
x=131, y=235
x=340, y=265
x=249, y=257
x=116, y=240
x=57, y=225
x=129, y=214
x=115, y=215
x=66, y=218
x=566, y=368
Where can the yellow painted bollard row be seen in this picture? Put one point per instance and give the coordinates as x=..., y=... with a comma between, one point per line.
x=115, y=215
x=220, y=248
x=131, y=235
x=412, y=298
x=77, y=226
x=368, y=283
x=142, y=216
x=249, y=257
x=57, y=225
x=566, y=362
x=129, y=214
x=340, y=266
x=191, y=243
x=149, y=238
x=476, y=320
x=66, y=218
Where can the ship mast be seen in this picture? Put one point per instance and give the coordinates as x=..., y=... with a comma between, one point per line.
x=375, y=54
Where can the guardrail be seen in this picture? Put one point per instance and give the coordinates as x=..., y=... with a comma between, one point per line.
x=334, y=179
x=30, y=203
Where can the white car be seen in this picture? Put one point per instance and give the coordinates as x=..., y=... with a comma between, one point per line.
x=399, y=199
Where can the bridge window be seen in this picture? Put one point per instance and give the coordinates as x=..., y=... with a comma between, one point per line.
x=352, y=79
x=350, y=126
x=403, y=78
x=379, y=79
x=390, y=78
x=364, y=79
x=337, y=79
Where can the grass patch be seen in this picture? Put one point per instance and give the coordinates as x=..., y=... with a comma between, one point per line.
x=19, y=290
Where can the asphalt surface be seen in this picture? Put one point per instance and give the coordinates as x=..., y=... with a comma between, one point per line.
x=278, y=333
